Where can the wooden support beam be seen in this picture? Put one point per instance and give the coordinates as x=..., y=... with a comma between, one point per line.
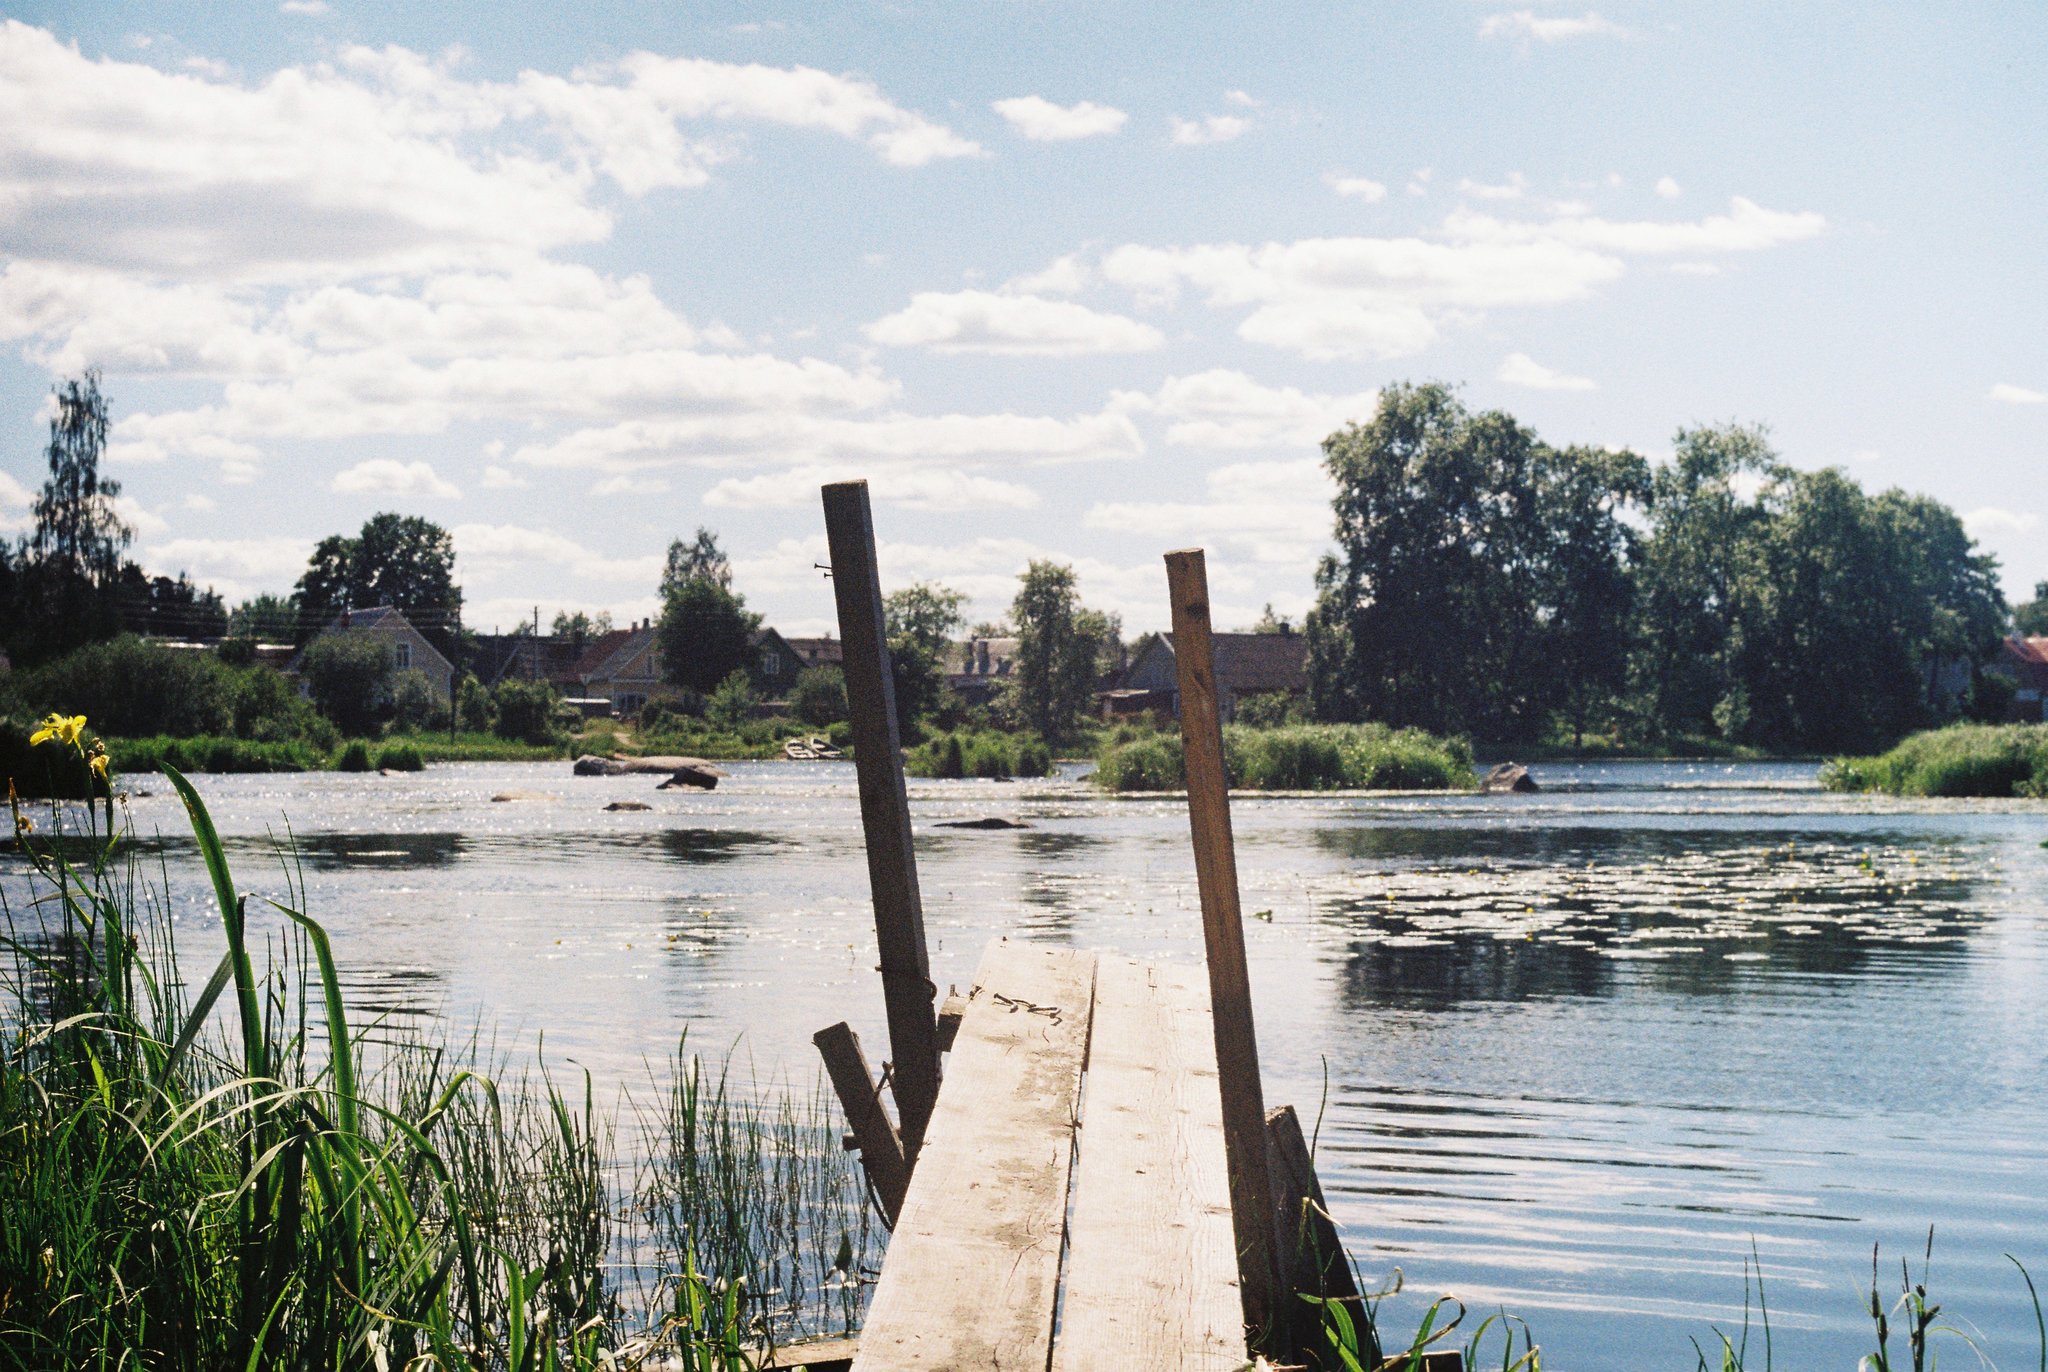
x=1312, y=1258
x=884, y=811
x=881, y=1149
x=950, y=1011
x=1230, y=992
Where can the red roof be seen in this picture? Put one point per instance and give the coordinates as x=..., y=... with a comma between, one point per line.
x=600, y=649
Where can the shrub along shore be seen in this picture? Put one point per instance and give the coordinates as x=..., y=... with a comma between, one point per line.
x=2003, y=760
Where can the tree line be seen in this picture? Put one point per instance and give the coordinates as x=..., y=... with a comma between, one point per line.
x=1487, y=583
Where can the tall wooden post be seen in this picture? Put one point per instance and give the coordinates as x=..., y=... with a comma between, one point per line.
x=884, y=811
x=1230, y=992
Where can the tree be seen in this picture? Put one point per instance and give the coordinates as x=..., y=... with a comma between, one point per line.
x=920, y=621
x=732, y=704
x=1271, y=623
x=62, y=581
x=580, y=626
x=163, y=607
x=1059, y=646
x=267, y=619
x=2030, y=617
x=697, y=560
x=475, y=711
x=415, y=702
x=402, y=561
x=819, y=696
x=705, y=634
x=1588, y=590
x=1430, y=614
x=348, y=676
x=526, y=710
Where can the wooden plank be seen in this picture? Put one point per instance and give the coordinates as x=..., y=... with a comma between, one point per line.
x=973, y=1265
x=1312, y=1257
x=1151, y=1278
x=820, y=1355
x=950, y=1011
x=881, y=1150
x=884, y=810
x=1230, y=992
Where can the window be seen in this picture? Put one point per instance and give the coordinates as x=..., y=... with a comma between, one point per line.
x=401, y=655
x=771, y=662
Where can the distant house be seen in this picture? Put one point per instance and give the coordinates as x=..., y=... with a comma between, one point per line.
x=523, y=657
x=978, y=667
x=622, y=666
x=776, y=664
x=819, y=652
x=1246, y=665
x=410, y=649
x=2024, y=662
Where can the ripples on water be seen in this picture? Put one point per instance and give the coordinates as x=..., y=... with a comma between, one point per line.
x=1583, y=1048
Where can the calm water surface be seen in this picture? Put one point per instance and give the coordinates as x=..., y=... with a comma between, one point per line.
x=1585, y=1051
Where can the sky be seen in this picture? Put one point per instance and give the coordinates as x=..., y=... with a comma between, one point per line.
x=1085, y=282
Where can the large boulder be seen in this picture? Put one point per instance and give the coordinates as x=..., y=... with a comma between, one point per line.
x=692, y=772
x=1510, y=776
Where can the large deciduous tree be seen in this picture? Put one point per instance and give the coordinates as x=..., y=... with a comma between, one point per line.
x=706, y=631
x=920, y=621
x=402, y=561
x=63, y=582
x=1060, y=647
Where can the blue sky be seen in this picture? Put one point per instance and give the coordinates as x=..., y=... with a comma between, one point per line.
x=1075, y=281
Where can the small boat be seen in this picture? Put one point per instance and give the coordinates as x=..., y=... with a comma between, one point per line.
x=821, y=747
x=799, y=750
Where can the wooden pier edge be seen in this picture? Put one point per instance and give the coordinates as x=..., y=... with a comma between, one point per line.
x=1266, y=1303
x=885, y=812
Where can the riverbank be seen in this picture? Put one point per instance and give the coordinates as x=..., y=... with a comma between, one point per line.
x=1996, y=760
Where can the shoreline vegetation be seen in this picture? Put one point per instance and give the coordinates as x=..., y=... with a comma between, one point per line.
x=1982, y=760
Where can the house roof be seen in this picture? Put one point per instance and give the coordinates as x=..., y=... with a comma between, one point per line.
x=2028, y=658
x=602, y=650
x=374, y=617
x=962, y=658
x=1258, y=662
x=818, y=652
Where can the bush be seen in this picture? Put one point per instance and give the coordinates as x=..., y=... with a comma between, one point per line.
x=526, y=711
x=269, y=709
x=355, y=757
x=1960, y=760
x=400, y=757
x=732, y=704
x=988, y=754
x=416, y=703
x=819, y=696
x=128, y=686
x=348, y=676
x=134, y=756
x=474, y=708
x=1301, y=757
x=1271, y=710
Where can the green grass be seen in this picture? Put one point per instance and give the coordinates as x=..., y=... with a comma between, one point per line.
x=1295, y=757
x=477, y=747
x=984, y=753
x=214, y=754
x=280, y=1186
x=1961, y=760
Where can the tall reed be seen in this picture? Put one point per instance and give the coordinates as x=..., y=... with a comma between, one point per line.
x=278, y=1187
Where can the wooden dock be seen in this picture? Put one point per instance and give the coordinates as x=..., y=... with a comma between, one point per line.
x=1098, y=1184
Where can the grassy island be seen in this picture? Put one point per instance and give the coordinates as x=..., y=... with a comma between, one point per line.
x=1961, y=760
x=1296, y=757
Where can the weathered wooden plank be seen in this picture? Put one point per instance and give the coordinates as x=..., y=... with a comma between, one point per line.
x=1151, y=1278
x=1230, y=992
x=1312, y=1257
x=973, y=1264
x=881, y=1148
x=884, y=810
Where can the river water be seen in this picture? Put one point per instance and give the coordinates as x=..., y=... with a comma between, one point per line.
x=1578, y=1054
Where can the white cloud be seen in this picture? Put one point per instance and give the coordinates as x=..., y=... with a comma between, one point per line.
x=1241, y=99
x=488, y=548
x=1527, y=24
x=1216, y=128
x=1273, y=512
x=1067, y=275
x=503, y=479
x=15, y=500
x=1520, y=369
x=1989, y=521
x=945, y=490
x=200, y=504
x=384, y=476
x=1668, y=188
x=1226, y=409
x=1510, y=189
x=2017, y=395
x=1328, y=298
x=236, y=567
x=303, y=7
x=1356, y=187
x=1042, y=121
x=984, y=322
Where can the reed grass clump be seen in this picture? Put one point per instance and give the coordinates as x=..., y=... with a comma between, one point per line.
x=277, y=1186
x=984, y=753
x=214, y=753
x=400, y=757
x=2002, y=760
x=1295, y=757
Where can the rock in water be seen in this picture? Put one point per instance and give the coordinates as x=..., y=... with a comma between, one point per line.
x=592, y=766
x=1510, y=776
x=629, y=805
x=701, y=775
x=990, y=823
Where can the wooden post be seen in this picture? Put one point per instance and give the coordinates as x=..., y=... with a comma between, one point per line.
x=884, y=811
x=1230, y=992
x=1312, y=1258
x=881, y=1148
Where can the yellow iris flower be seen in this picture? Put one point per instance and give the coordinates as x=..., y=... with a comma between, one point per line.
x=99, y=765
x=64, y=727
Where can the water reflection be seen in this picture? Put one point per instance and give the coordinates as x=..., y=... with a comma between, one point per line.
x=704, y=846
x=395, y=852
